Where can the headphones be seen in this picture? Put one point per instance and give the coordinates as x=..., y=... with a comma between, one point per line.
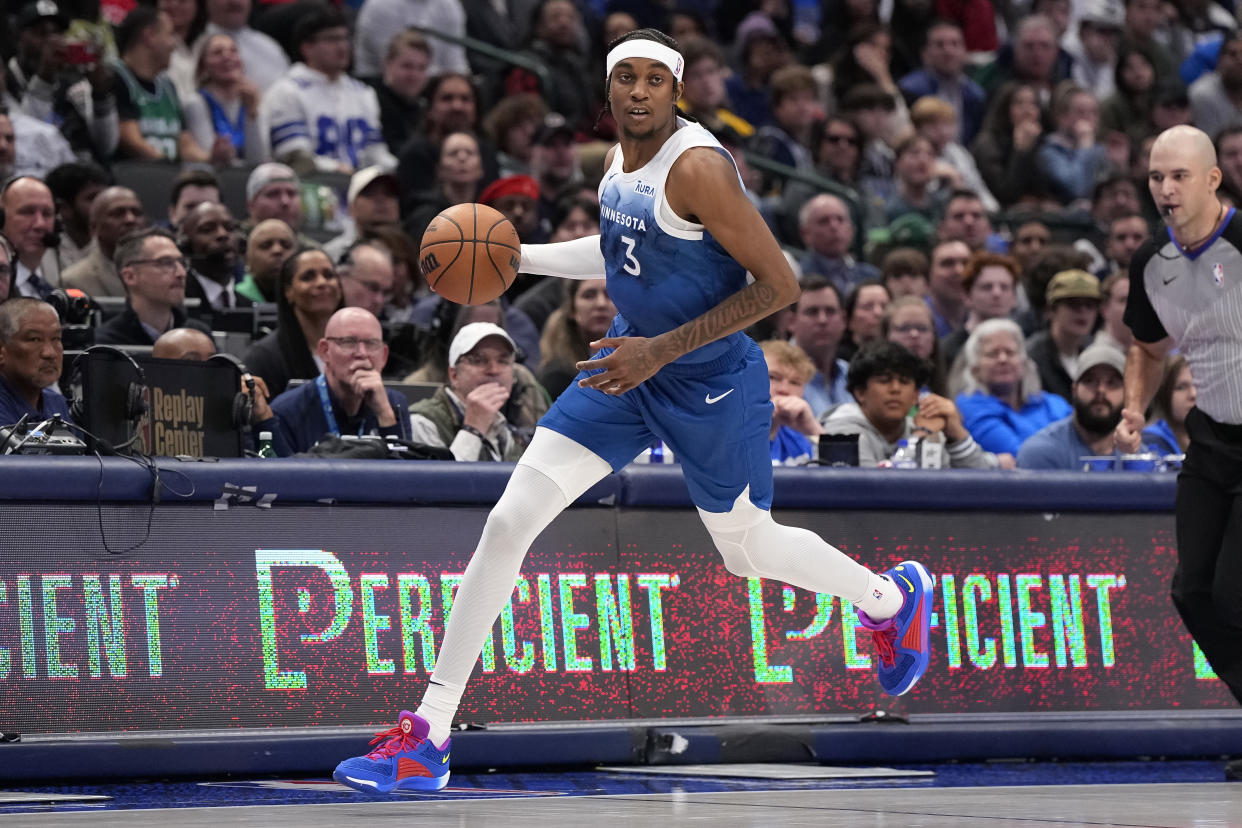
x=50, y=239
x=135, y=391
x=243, y=401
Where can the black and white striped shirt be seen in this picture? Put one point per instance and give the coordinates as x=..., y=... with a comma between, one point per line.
x=1195, y=297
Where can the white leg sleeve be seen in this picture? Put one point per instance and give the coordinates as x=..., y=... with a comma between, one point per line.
x=553, y=472
x=756, y=546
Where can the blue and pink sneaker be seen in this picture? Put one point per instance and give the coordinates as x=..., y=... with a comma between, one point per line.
x=405, y=760
x=903, y=641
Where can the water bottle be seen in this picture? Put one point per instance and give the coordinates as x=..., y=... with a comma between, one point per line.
x=904, y=457
x=930, y=451
x=265, y=444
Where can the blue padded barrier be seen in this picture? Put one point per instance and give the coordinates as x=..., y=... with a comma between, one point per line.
x=388, y=481
x=293, y=480
x=944, y=490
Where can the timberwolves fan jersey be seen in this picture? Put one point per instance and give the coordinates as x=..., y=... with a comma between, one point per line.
x=663, y=271
x=334, y=120
x=710, y=406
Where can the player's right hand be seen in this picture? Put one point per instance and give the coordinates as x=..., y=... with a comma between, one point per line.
x=1129, y=432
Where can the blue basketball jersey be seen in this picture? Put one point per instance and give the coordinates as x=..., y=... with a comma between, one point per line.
x=662, y=270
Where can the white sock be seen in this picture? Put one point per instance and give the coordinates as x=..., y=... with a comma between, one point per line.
x=754, y=545
x=882, y=598
x=554, y=471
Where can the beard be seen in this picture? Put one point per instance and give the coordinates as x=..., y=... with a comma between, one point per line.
x=1094, y=423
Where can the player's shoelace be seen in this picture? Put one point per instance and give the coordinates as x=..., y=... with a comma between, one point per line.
x=883, y=641
x=395, y=740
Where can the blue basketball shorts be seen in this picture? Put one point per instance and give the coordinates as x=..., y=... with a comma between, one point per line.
x=716, y=417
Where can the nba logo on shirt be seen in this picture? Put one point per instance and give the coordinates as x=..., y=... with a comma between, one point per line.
x=1218, y=274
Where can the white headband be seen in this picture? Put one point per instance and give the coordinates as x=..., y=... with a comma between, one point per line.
x=639, y=48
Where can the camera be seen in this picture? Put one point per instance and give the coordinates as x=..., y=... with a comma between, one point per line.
x=78, y=316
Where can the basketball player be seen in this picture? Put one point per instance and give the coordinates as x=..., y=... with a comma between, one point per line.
x=1186, y=290
x=678, y=237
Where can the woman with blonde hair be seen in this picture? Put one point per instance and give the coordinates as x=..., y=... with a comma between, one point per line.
x=222, y=116
x=794, y=427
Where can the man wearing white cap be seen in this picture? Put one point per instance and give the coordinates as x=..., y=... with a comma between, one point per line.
x=467, y=415
x=372, y=200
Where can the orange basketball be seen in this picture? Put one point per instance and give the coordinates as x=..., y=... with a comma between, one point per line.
x=470, y=254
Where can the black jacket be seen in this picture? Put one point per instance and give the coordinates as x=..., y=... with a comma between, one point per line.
x=1052, y=374
x=278, y=358
x=127, y=329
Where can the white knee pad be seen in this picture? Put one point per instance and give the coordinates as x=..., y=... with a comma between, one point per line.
x=573, y=467
x=754, y=545
x=735, y=534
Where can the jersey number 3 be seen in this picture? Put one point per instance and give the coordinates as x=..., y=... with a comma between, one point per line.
x=631, y=266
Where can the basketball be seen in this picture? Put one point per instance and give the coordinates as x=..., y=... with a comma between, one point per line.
x=470, y=254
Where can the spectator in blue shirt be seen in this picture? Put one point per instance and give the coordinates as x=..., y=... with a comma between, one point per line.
x=1174, y=399
x=795, y=431
x=942, y=74
x=827, y=233
x=1071, y=159
x=1099, y=393
x=31, y=358
x=818, y=325
x=349, y=397
x=1000, y=400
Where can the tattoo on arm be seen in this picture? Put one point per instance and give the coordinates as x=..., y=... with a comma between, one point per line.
x=739, y=311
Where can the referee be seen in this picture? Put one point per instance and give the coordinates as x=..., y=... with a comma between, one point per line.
x=1186, y=291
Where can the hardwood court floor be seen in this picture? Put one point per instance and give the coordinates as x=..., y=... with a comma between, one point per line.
x=1148, y=794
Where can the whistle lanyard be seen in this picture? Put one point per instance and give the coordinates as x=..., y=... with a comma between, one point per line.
x=333, y=428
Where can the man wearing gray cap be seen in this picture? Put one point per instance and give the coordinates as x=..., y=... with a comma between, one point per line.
x=1097, y=395
x=274, y=191
x=472, y=415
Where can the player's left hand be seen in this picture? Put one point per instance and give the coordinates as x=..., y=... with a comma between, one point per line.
x=633, y=360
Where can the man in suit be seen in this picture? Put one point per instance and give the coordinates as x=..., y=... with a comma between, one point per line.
x=209, y=239
x=115, y=213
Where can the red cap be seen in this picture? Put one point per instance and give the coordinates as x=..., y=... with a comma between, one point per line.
x=510, y=185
